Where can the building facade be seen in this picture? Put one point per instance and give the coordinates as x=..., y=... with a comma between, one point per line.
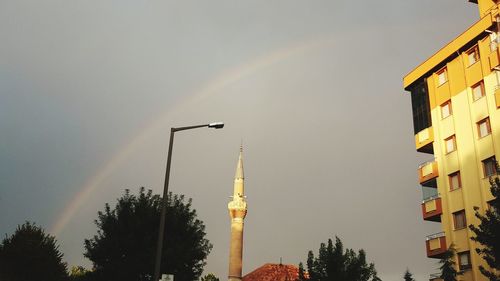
x=455, y=96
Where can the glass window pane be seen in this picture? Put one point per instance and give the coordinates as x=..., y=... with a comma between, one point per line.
x=472, y=58
x=489, y=167
x=455, y=181
x=477, y=92
x=464, y=261
x=459, y=219
x=445, y=110
x=483, y=129
x=442, y=77
x=450, y=144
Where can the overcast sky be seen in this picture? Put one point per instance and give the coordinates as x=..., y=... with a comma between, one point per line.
x=89, y=90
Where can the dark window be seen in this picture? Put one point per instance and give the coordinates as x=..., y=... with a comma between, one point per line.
x=420, y=106
x=455, y=181
x=489, y=166
x=464, y=260
x=459, y=220
x=484, y=127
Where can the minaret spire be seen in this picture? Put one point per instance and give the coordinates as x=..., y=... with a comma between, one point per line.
x=239, y=176
x=237, y=211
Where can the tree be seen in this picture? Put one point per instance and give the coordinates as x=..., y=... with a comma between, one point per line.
x=124, y=247
x=488, y=232
x=79, y=273
x=448, y=271
x=210, y=277
x=302, y=273
x=408, y=276
x=333, y=263
x=30, y=253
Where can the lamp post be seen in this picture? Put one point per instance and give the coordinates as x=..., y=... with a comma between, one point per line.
x=161, y=230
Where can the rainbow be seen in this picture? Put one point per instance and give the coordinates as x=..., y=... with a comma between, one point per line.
x=214, y=86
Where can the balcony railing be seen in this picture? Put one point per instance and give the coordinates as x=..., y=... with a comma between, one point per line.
x=436, y=245
x=435, y=235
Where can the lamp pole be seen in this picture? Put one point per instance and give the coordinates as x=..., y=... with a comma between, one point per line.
x=161, y=230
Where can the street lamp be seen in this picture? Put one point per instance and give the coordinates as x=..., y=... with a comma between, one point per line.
x=215, y=125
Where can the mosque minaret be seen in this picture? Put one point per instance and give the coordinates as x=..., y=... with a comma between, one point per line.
x=237, y=211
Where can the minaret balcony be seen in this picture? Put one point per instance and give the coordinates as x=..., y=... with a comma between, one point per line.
x=427, y=173
x=424, y=140
x=436, y=245
x=432, y=208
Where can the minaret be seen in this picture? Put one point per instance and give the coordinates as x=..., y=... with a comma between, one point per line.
x=237, y=211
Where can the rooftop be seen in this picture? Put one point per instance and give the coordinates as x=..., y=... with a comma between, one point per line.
x=273, y=272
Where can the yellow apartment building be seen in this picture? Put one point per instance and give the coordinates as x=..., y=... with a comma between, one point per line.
x=455, y=96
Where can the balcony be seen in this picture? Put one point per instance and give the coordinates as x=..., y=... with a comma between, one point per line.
x=494, y=56
x=424, y=140
x=432, y=209
x=436, y=245
x=427, y=174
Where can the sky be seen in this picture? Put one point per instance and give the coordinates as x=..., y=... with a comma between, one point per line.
x=313, y=90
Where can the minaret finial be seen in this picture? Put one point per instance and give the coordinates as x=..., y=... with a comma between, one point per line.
x=239, y=166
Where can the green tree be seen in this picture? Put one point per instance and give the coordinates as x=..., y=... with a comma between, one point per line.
x=124, y=247
x=408, y=276
x=302, y=273
x=210, y=277
x=31, y=254
x=448, y=271
x=488, y=232
x=335, y=263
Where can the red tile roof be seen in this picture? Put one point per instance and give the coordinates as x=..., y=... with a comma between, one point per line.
x=273, y=272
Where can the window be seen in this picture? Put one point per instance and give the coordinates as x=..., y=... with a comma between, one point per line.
x=473, y=55
x=459, y=220
x=442, y=76
x=483, y=127
x=489, y=167
x=478, y=91
x=493, y=41
x=446, y=109
x=464, y=260
x=455, y=181
x=450, y=144
x=420, y=106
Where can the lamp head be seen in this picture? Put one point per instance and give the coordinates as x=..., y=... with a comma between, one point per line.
x=216, y=125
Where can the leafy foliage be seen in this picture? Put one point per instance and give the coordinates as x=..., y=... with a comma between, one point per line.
x=30, y=253
x=488, y=232
x=124, y=247
x=448, y=271
x=79, y=273
x=408, y=276
x=210, y=277
x=333, y=263
x=302, y=273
